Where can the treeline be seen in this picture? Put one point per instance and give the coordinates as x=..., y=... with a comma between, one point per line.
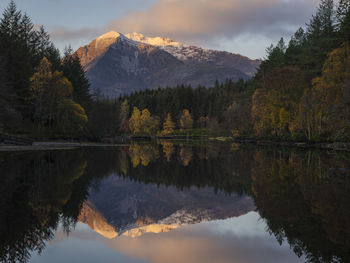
x=189, y=109
x=301, y=91
x=302, y=88
x=42, y=94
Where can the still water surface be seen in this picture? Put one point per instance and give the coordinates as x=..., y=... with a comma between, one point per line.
x=175, y=202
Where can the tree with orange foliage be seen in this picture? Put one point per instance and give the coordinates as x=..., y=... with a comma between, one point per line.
x=186, y=121
x=168, y=125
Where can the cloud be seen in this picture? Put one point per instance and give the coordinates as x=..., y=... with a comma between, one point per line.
x=244, y=26
x=64, y=34
x=203, y=20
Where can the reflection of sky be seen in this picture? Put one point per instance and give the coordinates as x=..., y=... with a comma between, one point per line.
x=239, y=240
x=82, y=245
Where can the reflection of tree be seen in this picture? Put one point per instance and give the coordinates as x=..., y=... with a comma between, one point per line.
x=142, y=153
x=185, y=155
x=37, y=194
x=235, y=146
x=305, y=201
x=216, y=170
x=168, y=149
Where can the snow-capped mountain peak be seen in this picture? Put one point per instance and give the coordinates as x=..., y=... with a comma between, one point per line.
x=119, y=64
x=109, y=35
x=154, y=41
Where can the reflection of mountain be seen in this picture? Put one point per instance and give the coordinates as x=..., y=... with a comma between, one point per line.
x=129, y=208
x=90, y=216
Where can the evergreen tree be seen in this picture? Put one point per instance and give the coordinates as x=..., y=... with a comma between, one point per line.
x=320, y=39
x=23, y=47
x=124, y=115
x=343, y=17
x=73, y=70
x=9, y=118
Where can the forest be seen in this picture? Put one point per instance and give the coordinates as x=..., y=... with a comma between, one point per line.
x=301, y=91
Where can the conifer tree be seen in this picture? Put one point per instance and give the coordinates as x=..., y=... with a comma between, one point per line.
x=123, y=115
x=321, y=38
x=23, y=47
x=8, y=115
x=343, y=17
x=73, y=70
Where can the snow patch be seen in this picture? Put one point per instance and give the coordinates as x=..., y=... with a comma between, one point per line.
x=154, y=41
x=109, y=35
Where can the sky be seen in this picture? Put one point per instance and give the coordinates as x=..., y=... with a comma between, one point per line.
x=246, y=27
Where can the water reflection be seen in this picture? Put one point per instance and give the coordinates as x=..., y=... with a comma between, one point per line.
x=122, y=207
x=241, y=239
x=142, y=190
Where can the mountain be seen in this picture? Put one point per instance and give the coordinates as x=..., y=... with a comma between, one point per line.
x=118, y=64
x=124, y=207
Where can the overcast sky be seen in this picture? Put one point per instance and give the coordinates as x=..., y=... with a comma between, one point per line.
x=240, y=26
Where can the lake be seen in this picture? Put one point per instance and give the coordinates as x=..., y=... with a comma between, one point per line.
x=175, y=202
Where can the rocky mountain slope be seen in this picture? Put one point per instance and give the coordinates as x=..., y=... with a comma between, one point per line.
x=118, y=64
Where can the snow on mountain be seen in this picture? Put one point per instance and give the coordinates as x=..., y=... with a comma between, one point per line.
x=192, y=54
x=155, y=41
x=123, y=207
x=109, y=35
x=118, y=64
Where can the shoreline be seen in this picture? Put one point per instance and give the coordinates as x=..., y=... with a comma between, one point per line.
x=334, y=146
x=52, y=145
x=48, y=146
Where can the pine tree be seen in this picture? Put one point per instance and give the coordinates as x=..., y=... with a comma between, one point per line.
x=23, y=47
x=321, y=38
x=343, y=17
x=73, y=70
x=8, y=115
x=123, y=116
x=13, y=33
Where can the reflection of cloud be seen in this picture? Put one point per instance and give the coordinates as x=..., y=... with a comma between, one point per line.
x=80, y=231
x=201, y=243
x=242, y=239
x=197, y=20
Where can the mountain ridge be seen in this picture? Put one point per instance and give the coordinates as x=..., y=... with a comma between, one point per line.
x=118, y=64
